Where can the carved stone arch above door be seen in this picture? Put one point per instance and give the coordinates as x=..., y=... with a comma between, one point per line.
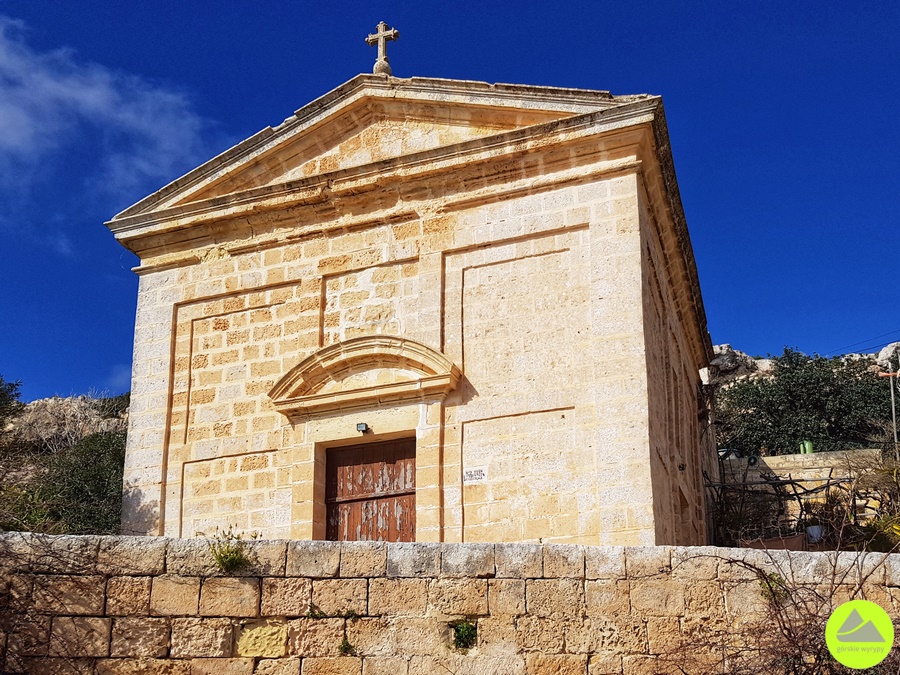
x=364, y=372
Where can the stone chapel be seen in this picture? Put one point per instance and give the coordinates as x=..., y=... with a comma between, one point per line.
x=423, y=309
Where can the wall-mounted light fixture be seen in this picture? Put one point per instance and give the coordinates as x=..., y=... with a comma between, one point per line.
x=362, y=427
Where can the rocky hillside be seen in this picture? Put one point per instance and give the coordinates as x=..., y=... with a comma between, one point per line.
x=52, y=424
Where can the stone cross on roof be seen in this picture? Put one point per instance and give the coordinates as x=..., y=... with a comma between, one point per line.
x=381, y=37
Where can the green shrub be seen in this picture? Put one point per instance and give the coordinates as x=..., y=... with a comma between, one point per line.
x=229, y=550
x=465, y=634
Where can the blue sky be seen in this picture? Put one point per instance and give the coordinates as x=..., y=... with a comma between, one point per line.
x=781, y=116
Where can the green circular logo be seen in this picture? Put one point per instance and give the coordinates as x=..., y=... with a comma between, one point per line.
x=859, y=634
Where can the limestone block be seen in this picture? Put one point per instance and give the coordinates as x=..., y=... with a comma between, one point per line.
x=79, y=636
x=563, y=560
x=15, y=551
x=554, y=597
x=400, y=596
x=605, y=664
x=30, y=637
x=363, y=559
x=139, y=637
x=467, y=560
x=286, y=597
x=230, y=596
x=142, y=667
x=413, y=559
x=315, y=637
x=519, y=561
x=704, y=598
x=641, y=665
x=172, y=595
x=338, y=597
x=506, y=596
x=190, y=557
x=397, y=665
x=647, y=561
x=267, y=638
x=497, y=635
x=316, y=559
x=696, y=562
x=542, y=664
x=657, y=597
x=69, y=594
x=605, y=598
x=222, y=666
x=458, y=597
x=128, y=596
x=604, y=562
x=536, y=634
x=201, y=638
x=620, y=635
x=469, y=664
x=131, y=556
x=277, y=667
x=57, y=666
x=389, y=636
x=664, y=635
x=342, y=665
x=63, y=554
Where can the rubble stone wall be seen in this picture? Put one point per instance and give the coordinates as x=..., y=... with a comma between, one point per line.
x=115, y=605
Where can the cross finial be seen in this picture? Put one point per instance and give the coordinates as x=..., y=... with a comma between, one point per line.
x=382, y=35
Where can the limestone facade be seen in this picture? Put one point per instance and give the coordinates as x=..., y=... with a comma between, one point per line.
x=502, y=273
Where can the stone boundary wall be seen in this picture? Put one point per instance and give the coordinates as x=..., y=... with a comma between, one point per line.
x=150, y=605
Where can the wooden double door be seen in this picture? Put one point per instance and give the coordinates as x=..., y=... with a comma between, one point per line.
x=370, y=492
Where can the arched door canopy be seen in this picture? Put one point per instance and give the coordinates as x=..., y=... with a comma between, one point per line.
x=364, y=372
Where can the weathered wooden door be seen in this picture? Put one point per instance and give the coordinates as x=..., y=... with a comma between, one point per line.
x=370, y=492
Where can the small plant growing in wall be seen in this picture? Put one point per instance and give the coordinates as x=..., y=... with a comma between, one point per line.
x=229, y=549
x=465, y=634
x=347, y=649
x=314, y=612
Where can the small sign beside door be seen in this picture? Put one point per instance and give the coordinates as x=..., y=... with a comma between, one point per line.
x=475, y=474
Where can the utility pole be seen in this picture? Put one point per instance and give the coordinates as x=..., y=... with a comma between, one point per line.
x=891, y=373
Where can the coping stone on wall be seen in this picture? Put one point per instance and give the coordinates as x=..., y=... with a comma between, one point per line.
x=131, y=555
x=413, y=559
x=316, y=559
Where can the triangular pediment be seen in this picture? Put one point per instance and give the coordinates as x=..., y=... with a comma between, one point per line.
x=368, y=120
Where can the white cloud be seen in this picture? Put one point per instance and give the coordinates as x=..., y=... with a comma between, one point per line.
x=142, y=134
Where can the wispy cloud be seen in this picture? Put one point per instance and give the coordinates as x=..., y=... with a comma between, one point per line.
x=141, y=134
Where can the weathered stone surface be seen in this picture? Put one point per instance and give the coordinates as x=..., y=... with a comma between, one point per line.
x=286, y=597
x=540, y=664
x=236, y=666
x=128, y=596
x=604, y=562
x=467, y=560
x=657, y=597
x=519, y=561
x=315, y=637
x=69, y=594
x=341, y=597
x=696, y=562
x=191, y=557
x=385, y=666
x=172, y=595
x=605, y=664
x=289, y=666
x=497, y=636
x=30, y=636
x=413, y=559
x=458, y=597
x=133, y=637
x=542, y=635
x=390, y=636
x=79, y=636
x=267, y=638
x=664, y=634
x=563, y=560
x=63, y=554
x=605, y=598
x=506, y=596
x=131, y=556
x=57, y=666
x=142, y=667
x=317, y=559
x=363, y=559
x=469, y=664
x=342, y=665
x=554, y=597
x=400, y=596
x=267, y=558
x=201, y=638
x=647, y=561
x=230, y=596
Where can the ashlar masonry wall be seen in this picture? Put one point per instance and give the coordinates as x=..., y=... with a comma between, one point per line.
x=127, y=605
